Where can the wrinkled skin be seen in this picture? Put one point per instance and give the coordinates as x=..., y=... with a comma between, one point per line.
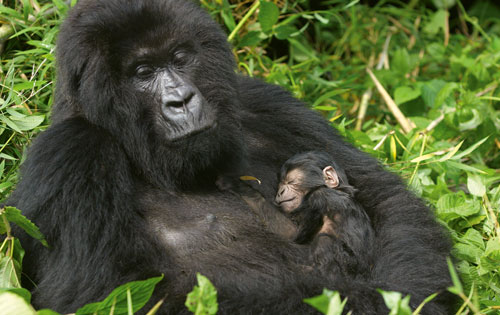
x=290, y=191
x=148, y=113
x=298, y=182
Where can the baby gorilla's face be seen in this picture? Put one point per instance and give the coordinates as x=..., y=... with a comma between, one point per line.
x=291, y=190
x=301, y=180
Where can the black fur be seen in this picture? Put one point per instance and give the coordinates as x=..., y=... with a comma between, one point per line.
x=348, y=249
x=119, y=203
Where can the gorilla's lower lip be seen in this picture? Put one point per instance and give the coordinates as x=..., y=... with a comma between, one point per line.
x=285, y=201
x=196, y=132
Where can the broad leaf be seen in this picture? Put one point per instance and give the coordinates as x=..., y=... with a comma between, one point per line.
x=268, y=15
x=203, y=299
x=13, y=304
x=139, y=291
x=329, y=302
x=14, y=215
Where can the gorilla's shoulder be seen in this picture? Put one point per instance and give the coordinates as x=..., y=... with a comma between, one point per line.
x=259, y=95
x=74, y=137
x=68, y=155
x=268, y=106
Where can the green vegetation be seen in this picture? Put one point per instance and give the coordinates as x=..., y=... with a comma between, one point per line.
x=414, y=84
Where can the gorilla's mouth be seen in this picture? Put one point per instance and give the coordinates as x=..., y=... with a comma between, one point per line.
x=207, y=127
x=282, y=202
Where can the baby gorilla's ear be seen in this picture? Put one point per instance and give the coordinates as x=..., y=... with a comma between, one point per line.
x=330, y=176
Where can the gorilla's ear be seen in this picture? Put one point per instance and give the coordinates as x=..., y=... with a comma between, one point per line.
x=330, y=176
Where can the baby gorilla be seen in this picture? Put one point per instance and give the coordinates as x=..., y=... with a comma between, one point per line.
x=316, y=196
x=318, y=209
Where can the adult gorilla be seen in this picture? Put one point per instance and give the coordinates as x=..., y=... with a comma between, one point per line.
x=148, y=112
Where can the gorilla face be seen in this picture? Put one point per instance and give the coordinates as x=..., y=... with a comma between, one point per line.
x=166, y=92
x=179, y=108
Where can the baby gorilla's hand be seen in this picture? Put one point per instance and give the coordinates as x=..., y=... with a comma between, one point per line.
x=328, y=228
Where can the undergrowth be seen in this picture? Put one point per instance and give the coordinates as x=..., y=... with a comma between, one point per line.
x=415, y=84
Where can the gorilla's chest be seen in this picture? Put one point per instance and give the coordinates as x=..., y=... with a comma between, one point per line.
x=189, y=223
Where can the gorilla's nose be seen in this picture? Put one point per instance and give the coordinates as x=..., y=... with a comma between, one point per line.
x=178, y=98
x=179, y=101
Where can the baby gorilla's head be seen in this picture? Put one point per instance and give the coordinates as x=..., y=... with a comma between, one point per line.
x=304, y=173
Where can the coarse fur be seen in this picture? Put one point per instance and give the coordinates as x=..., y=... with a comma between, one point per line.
x=329, y=216
x=318, y=210
x=118, y=201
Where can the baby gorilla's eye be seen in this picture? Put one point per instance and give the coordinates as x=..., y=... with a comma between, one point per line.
x=144, y=71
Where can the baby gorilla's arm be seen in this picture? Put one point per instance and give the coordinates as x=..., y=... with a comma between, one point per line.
x=345, y=238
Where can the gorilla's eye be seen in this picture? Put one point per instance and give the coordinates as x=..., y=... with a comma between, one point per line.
x=144, y=71
x=180, y=58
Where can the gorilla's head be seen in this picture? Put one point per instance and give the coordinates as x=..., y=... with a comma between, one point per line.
x=159, y=76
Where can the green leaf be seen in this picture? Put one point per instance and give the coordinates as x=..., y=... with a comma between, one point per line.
x=25, y=294
x=47, y=312
x=326, y=96
x=444, y=4
x=268, y=15
x=491, y=258
x=17, y=253
x=28, y=122
x=401, y=61
x=452, y=152
x=10, y=12
x=285, y=31
x=444, y=93
x=325, y=108
x=464, y=167
x=10, y=273
x=470, y=149
x=493, y=248
x=405, y=94
x=252, y=38
x=13, y=304
x=300, y=51
x=227, y=16
x=457, y=285
x=203, y=299
x=467, y=252
x=329, y=302
x=475, y=184
x=396, y=304
x=7, y=157
x=473, y=237
x=14, y=215
x=139, y=291
x=436, y=23
x=456, y=205
x=28, y=85
x=430, y=91
x=321, y=18
x=469, y=119
x=10, y=124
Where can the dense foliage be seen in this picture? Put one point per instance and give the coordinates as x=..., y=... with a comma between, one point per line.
x=415, y=84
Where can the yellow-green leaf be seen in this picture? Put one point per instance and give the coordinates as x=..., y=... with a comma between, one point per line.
x=247, y=178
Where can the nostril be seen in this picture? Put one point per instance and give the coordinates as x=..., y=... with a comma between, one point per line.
x=180, y=102
x=188, y=97
x=179, y=97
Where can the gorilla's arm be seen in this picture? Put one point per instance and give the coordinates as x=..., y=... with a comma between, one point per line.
x=74, y=179
x=410, y=247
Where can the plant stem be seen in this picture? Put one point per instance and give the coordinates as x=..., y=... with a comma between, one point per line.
x=243, y=20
